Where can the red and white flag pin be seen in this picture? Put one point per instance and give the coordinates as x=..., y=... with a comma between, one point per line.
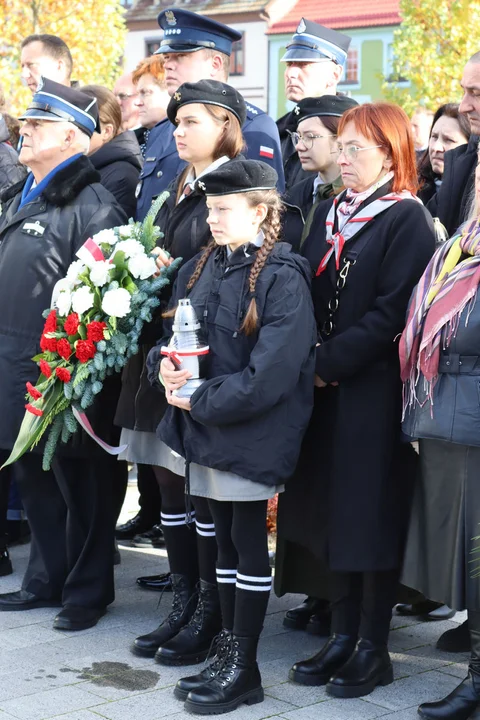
x=266, y=151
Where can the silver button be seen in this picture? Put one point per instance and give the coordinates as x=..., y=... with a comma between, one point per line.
x=159, y=174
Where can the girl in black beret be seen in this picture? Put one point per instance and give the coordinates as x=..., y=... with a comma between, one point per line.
x=208, y=116
x=241, y=430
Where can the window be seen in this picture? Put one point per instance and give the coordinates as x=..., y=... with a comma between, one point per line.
x=237, y=58
x=351, y=75
x=390, y=75
x=151, y=46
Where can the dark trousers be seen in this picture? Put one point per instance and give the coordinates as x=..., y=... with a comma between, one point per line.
x=5, y=481
x=72, y=511
x=362, y=604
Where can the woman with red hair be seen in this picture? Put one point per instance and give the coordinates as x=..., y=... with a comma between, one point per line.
x=344, y=517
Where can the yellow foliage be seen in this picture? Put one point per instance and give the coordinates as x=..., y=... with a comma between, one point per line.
x=431, y=47
x=94, y=30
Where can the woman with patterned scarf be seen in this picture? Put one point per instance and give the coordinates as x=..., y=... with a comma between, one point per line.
x=347, y=507
x=440, y=361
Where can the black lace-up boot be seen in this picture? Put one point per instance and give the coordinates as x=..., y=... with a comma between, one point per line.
x=237, y=681
x=185, y=685
x=193, y=642
x=183, y=605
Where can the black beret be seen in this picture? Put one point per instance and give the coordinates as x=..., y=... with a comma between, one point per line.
x=326, y=105
x=60, y=103
x=208, y=92
x=238, y=176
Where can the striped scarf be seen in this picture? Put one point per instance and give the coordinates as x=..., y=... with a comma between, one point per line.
x=349, y=225
x=446, y=288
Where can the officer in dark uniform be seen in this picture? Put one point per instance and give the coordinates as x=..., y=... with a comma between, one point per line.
x=186, y=32
x=315, y=60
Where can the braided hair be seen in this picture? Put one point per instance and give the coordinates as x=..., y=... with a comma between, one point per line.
x=271, y=227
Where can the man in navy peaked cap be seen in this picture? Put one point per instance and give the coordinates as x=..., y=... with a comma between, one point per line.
x=314, y=63
x=44, y=220
x=197, y=48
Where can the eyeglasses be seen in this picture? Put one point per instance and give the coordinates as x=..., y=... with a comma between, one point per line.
x=307, y=139
x=351, y=152
x=124, y=96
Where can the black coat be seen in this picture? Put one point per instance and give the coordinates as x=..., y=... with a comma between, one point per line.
x=250, y=414
x=451, y=202
x=292, y=167
x=72, y=208
x=186, y=232
x=297, y=203
x=119, y=163
x=350, y=498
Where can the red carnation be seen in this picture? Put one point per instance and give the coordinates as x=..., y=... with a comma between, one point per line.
x=48, y=344
x=33, y=392
x=64, y=348
x=63, y=374
x=45, y=368
x=95, y=331
x=71, y=324
x=34, y=410
x=51, y=322
x=85, y=350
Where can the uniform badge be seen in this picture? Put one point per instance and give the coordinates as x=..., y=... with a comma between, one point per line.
x=301, y=27
x=177, y=96
x=170, y=17
x=296, y=109
x=36, y=228
x=202, y=185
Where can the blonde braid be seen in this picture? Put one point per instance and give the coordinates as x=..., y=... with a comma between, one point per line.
x=271, y=227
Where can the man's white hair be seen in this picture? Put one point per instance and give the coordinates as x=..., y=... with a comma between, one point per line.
x=81, y=142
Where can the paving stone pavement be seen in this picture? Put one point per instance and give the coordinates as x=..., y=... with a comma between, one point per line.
x=91, y=674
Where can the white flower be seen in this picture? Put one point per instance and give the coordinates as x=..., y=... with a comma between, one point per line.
x=105, y=236
x=76, y=268
x=130, y=247
x=125, y=231
x=82, y=300
x=142, y=266
x=116, y=303
x=100, y=272
x=63, y=302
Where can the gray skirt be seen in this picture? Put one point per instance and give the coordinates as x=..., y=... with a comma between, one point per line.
x=445, y=519
x=147, y=449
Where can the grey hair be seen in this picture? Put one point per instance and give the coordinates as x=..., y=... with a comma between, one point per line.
x=475, y=58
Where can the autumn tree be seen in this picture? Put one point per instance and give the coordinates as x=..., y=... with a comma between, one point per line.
x=431, y=46
x=94, y=30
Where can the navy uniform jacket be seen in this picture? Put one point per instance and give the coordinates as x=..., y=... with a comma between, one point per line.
x=162, y=164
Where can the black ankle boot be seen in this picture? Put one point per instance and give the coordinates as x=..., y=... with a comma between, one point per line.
x=319, y=669
x=5, y=563
x=456, y=640
x=238, y=681
x=185, y=685
x=193, y=642
x=183, y=605
x=459, y=705
x=368, y=666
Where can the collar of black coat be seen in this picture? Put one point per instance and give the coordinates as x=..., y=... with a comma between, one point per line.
x=65, y=185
